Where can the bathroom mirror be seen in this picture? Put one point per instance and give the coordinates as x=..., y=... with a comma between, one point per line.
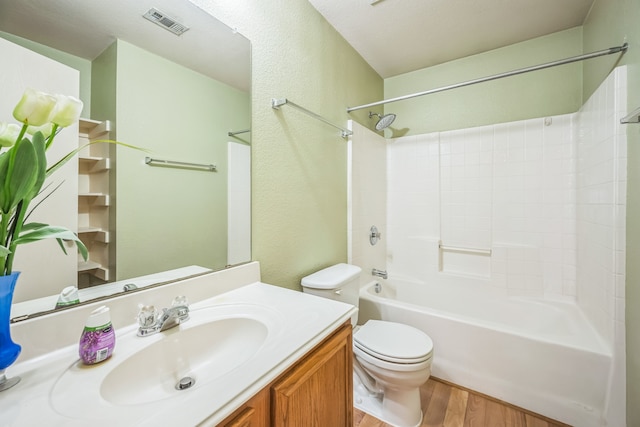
x=181, y=218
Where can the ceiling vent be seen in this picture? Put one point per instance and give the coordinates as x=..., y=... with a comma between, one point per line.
x=166, y=22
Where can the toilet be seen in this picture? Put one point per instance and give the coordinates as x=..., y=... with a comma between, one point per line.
x=391, y=360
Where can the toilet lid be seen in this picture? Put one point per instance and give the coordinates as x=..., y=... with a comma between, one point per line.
x=393, y=342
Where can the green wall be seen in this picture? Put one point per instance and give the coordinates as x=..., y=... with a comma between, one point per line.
x=299, y=164
x=610, y=23
x=543, y=93
x=103, y=88
x=168, y=216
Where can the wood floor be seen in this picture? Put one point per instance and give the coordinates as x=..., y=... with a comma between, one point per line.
x=447, y=405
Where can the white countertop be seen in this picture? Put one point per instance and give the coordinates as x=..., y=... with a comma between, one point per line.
x=46, y=394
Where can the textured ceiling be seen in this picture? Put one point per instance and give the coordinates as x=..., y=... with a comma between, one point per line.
x=399, y=36
x=86, y=27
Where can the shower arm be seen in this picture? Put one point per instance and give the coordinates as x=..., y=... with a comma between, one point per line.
x=609, y=51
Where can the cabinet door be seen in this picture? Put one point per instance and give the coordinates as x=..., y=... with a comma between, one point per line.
x=318, y=391
x=254, y=413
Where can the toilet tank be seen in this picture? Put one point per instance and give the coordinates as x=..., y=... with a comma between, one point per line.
x=339, y=282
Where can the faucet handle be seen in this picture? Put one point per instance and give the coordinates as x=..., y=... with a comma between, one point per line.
x=181, y=305
x=147, y=315
x=180, y=300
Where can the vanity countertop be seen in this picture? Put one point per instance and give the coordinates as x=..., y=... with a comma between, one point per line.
x=300, y=321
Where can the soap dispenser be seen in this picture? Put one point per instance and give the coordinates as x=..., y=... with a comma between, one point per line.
x=98, y=338
x=68, y=297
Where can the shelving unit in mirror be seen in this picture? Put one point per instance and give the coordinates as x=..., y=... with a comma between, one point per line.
x=93, y=203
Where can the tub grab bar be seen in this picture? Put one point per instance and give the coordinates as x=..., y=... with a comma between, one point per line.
x=479, y=251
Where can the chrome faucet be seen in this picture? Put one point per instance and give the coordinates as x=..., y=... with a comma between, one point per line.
x=151, y=321
x=379, y=273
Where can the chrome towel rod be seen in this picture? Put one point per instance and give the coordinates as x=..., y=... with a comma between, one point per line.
x=276, y=103
x=238, y=132
x=603, y=52
x=170, y=163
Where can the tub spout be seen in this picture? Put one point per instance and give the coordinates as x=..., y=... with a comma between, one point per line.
x=379, y=273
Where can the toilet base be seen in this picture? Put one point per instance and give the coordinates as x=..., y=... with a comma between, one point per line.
x=372, y=404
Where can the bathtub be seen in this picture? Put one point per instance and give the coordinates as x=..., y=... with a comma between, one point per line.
x=541, y=355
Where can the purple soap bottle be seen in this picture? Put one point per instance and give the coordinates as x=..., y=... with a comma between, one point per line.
x=98, y=338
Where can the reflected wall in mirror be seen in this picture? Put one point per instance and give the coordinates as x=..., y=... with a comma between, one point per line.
x=177, y=97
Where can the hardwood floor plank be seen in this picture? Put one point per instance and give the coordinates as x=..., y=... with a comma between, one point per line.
x=368, y=421
x=475, y=416
x=495, y=414
x=447, y=405
x=457, y=408
x=435, y=412
x=426, y=391
x=357, y=417
x=551, y=422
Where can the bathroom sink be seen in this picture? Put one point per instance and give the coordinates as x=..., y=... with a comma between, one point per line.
x=218, y=343
x=193, y=355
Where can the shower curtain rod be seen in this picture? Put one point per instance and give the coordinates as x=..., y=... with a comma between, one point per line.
x=276, y=103
x=603, y=52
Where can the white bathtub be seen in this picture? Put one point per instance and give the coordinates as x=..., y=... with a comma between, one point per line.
x=540, y=355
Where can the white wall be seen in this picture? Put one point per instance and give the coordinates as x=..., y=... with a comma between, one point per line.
x=366, y=198
x=601, y=224
x=46, y=270
x=238, y=203
x=508, y=188
x=601, y=206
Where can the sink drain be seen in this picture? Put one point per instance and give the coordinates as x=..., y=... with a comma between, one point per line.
x=185, y=383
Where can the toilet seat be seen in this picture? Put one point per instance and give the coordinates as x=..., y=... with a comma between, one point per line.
x=392, y=342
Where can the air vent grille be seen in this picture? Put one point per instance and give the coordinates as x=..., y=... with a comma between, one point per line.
x=166, y=22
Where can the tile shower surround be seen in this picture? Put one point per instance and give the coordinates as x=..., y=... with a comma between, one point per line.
x=546, y=195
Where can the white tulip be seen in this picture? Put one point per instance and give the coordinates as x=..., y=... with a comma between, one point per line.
x=34, y=108
x=9, y=134
x=67, y=110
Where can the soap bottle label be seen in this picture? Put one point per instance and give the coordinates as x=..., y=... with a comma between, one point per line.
x=97, y=344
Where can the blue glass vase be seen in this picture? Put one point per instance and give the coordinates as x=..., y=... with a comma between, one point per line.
x=9, y=350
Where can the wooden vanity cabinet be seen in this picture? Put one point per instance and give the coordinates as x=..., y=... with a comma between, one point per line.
x=254, y=413
x=317, y=391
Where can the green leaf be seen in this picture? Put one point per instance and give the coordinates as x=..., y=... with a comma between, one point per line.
x=61, y=244
x=41, y=163
x=4, y=195
x=81, y=248
x=32, y=226
x=4, y=251
x=36, y=232
x=23, y=176
x=71, y=154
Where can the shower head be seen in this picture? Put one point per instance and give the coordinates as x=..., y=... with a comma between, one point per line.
x=383, y=121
